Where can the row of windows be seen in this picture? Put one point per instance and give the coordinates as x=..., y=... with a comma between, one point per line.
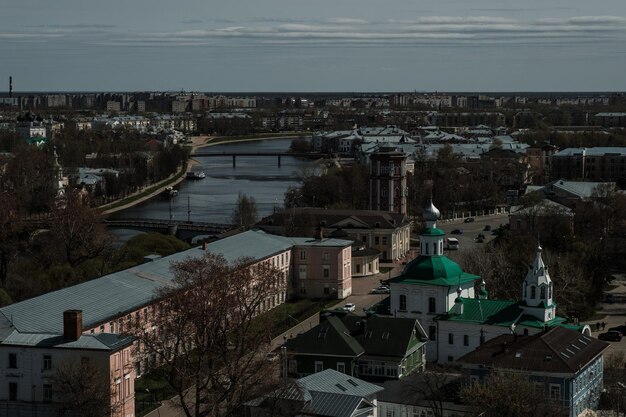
x=432, y=303
x=46, y=361
x=14, y=389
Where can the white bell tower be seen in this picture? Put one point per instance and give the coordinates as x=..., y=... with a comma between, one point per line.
x=538, y=290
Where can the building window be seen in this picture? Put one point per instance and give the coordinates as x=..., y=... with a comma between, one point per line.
x=384, y=240
x=326, y=271
x=47, y=393
x=325, y=256
x=402, y=302
x=376, y=240
x=13, y=360
x=293, y=366
x=319, y=366
x=302, y=271
x=112, y=327
x=533, y=292
x=542, y=292
x=555, y=392
x=432, y=333
x=303, y=255
x=358, y=269
x=47, y=362
x=341, y=367
x=450, y=358
x=465, y=340
x=102, y=328
x=450, y=339
x=432, y=304
x=326, y=290
x=12, y=391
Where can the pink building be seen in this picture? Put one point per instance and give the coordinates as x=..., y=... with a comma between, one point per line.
x=88, y=320
x=323, y=267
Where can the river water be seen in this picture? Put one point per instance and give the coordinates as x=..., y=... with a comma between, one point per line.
x=213, y=198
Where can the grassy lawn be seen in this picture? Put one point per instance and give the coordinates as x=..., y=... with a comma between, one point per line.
x=150, y=390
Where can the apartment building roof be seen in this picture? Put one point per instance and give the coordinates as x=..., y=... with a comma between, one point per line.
x=111, y=296
x=595, y=151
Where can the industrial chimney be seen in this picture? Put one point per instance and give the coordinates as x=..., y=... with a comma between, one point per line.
x=10, y=86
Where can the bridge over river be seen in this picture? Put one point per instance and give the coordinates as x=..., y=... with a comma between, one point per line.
x=183, y=229
x=234, y=155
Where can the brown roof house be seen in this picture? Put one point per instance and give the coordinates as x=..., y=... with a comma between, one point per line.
x=567, y=366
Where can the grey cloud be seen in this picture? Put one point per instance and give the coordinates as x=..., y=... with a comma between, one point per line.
x=477, y=30
x=191, y=21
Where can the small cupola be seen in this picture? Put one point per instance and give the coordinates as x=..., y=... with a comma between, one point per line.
x=458, y=302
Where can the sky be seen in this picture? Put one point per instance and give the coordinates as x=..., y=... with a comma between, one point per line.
x=313, y=45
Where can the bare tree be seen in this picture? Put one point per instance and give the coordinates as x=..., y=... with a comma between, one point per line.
x=245, y=211
x=10, y=227
x=81, y=389
x=210, y=340
x=78, y=231
x=614, y=396
x=509, y=394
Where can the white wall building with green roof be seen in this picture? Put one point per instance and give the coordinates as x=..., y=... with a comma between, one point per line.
x=457, y=319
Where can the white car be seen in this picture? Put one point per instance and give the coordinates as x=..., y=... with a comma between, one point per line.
x=349, y=307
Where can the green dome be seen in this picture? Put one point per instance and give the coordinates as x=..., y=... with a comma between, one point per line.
x=432, y=231
x=426, y=268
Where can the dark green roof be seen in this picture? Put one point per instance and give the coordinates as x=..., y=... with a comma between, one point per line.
x=432, y=231
x=434, y=270
x=497, y=313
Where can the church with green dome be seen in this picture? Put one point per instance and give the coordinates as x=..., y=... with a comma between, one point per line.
x=457, y=318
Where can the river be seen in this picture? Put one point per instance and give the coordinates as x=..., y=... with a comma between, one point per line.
x=213, y=198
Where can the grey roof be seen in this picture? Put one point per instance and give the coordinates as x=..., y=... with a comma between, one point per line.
x=115, y=294
x=102, y=341
x=595, y=151
x=611, y=115
x=334, y=382
x=543, y=207
x=333, y=405
x=582, y=189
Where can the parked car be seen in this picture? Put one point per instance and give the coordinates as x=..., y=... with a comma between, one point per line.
x=611, y=336
x=380, y=290
x=468, y=219
x=456, y=232
x=487, y=228
x=621, y=329
x=349, y=307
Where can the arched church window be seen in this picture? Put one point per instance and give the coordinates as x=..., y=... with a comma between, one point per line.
x=434, y=248
x=543, y=293
x=533, y=292
x=426, y=245
x=550, y=291
x=432, y=305
x=402, y=302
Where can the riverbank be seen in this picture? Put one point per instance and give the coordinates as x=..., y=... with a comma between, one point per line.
x=197, y=142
